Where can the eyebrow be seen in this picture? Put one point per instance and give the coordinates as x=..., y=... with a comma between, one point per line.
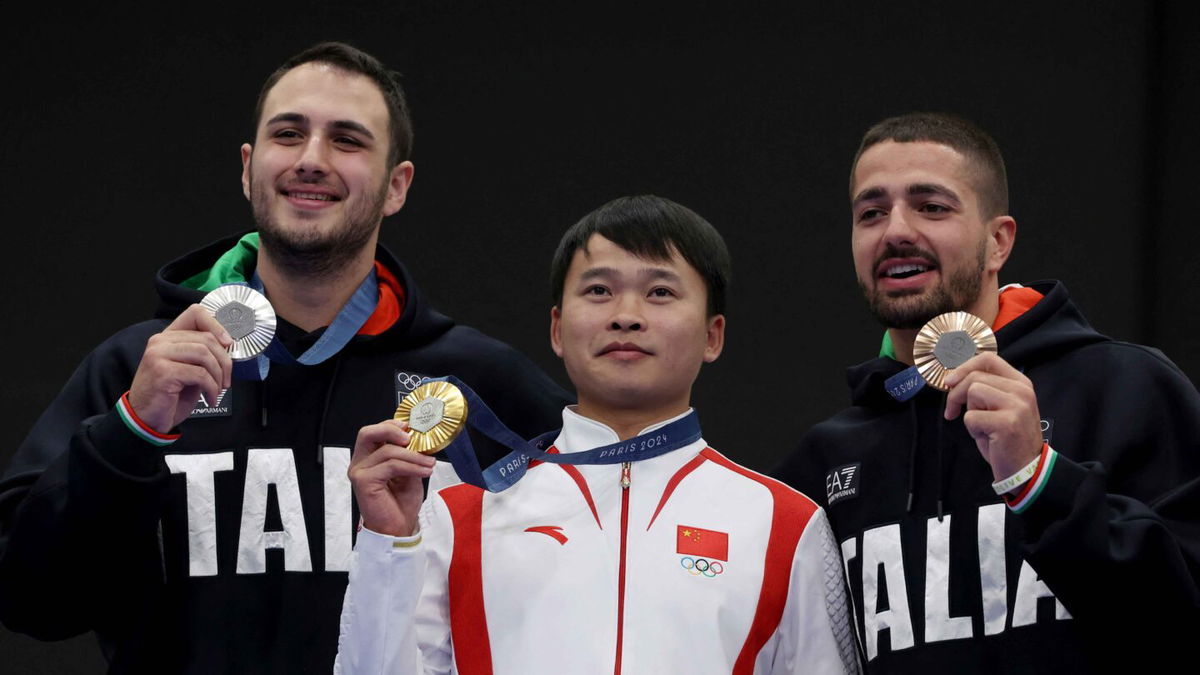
x=933, y=189
x=652, y=273
x=914, y=190
x=346, y=125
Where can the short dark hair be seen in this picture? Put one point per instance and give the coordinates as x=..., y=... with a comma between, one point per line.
x=953, y=131
x=653, y=228
x=353, y=60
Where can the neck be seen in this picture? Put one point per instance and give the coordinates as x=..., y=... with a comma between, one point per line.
x=986, y=307
x=311, y=302
x=625, y=421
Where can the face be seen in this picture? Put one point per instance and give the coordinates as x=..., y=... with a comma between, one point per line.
x=633, y=332
x=317, y=175
x=921, y=246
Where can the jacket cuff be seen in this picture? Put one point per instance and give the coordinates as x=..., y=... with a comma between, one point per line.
x=374, y=544
x=139, y=428
x=1054, y=498
x=112, y=443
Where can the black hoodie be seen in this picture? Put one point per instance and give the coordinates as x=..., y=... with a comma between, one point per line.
x=954, y=581
x=226, y=551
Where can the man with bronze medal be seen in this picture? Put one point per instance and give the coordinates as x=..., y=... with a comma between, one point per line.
x=1015, y=501
x=203, y=523
x=621, y=543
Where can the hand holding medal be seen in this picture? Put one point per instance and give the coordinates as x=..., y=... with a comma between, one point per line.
x=189, y=358
x=1001, y=409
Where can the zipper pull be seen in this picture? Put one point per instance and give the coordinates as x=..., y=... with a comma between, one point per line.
x=625, y=476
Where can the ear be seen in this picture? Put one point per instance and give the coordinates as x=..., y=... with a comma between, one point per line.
x=398, y=183
x=247, y=151
x=1002, y=234
x=715, y=338
x=555, y=332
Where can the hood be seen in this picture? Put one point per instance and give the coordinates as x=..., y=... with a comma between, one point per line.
x=1049, y=328
x=184, y=281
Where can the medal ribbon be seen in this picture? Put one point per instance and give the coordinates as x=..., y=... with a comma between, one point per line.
x=344, y=327
x=509, y=469
x=905, y=384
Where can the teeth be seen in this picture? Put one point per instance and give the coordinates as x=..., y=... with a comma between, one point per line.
x=904, y=269
x=313, y=195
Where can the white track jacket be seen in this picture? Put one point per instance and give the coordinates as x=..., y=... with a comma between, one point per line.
x=683, y=563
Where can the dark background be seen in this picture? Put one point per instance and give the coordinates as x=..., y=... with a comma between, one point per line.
x=121, y=134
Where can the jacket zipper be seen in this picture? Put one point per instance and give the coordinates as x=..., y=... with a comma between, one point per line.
x=625, y=473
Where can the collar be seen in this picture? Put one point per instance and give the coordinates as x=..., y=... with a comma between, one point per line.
x=581, y=433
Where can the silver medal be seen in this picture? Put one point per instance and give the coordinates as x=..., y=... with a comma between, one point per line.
x=246, y=314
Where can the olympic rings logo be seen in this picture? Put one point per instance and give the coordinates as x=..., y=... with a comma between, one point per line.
x=409, y=381
x=701, y=567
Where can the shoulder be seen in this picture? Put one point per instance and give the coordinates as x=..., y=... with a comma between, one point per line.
x=1113, y=365
x=789, y=502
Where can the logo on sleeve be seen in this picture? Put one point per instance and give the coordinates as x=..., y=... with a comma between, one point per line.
x=842, y=483
x=222, y=407
x=405, y=383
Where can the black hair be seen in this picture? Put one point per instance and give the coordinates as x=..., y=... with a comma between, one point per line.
x=353, y=60
x=653, y=228
x=949, y=130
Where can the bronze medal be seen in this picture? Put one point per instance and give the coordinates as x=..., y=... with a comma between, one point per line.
x=946, y=342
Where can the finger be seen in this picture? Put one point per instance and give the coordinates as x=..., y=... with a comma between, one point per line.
x=167, y=354
x=391, y=461
x=198, y=318
x=957, y=396
x=988, y=362
x=998, y=426
x=373, y=436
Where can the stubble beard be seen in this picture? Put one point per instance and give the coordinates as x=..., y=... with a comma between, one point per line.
x=314, y=254
x=910, y=310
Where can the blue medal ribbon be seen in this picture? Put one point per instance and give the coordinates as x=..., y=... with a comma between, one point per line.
x=344, y=327
x=505, y=473
x=905, y=384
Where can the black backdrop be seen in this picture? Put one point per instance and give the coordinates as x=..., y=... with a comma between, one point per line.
x=121, y=136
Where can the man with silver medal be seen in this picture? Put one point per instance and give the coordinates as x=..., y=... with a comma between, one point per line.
x=204, y=523
x=1019, y=501
x=621, y=543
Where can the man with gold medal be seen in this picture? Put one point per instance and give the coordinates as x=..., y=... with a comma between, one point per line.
x=621, y=543
x=1017, y=502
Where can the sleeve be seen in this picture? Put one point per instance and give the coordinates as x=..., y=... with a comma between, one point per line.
x=79, y=506
x=815, y=635
x=395, y=616
x=1112, y=524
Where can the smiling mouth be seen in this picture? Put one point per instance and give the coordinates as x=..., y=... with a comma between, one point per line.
x=904, y=270
x=623, y=347
x=314, y=196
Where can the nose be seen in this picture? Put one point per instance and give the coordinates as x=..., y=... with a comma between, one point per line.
x=628, y=314
x=900, y=227
x=314, y=157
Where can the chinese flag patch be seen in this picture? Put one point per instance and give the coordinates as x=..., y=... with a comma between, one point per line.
x=701, y=542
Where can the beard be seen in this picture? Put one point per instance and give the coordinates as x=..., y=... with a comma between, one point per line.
x=912, y=309
x=308, y=252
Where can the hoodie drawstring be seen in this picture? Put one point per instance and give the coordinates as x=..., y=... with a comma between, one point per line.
x=337, y=366
x=912, y=455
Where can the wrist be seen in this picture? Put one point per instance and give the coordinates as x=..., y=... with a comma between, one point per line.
x=1021, y=476
x=140, y=427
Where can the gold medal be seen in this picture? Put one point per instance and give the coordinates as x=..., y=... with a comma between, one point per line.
x=436, y=413
x=246, y=315
x=946, y=342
